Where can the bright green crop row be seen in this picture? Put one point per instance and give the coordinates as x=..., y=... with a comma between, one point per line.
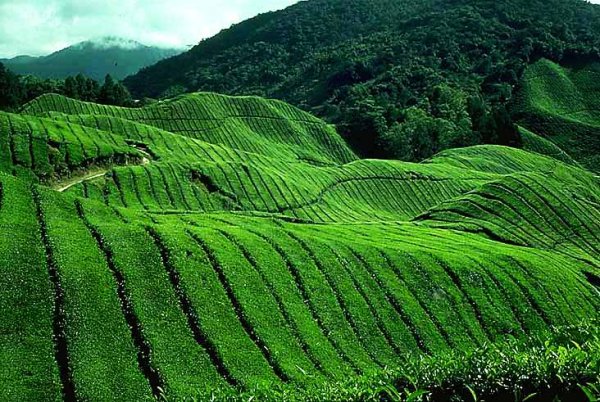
x=101, y=351
x=208, y=299
x=27, y=356
x=43, y=149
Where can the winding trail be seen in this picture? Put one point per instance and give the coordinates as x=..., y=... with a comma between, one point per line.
x=91, y=176
x=62, y=187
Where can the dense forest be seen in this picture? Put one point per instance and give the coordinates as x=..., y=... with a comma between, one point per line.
x=16, y=90
x=400, y=79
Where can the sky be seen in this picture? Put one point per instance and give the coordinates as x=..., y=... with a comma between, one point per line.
x=40, y=27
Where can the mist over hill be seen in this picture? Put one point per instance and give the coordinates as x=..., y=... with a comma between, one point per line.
x=96, y=58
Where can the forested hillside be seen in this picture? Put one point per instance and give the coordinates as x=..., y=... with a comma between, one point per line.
x=399, y=78
x=211, y=245
x=15, y=90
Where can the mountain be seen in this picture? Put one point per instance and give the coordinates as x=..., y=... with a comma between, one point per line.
x=209, y=245
x=96, y=58
x=379, y=68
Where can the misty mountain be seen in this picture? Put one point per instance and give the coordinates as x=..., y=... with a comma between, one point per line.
x=95, y=58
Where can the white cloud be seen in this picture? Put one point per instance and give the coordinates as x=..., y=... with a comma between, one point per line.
x=38, y=27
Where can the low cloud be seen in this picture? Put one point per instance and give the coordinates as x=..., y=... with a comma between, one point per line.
x=39, y=27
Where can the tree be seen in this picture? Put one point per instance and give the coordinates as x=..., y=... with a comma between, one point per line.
x=11, y=91
x=477, y=111
x=34, y=86
x=365, y=125
x=507, y=132
x=114, y=93
x=107, y=90
x=497, y=127
x=173, y=91
x=87, y=88
x=417, y=137
x=92, y=90
x=71, y=88
x=81, y=82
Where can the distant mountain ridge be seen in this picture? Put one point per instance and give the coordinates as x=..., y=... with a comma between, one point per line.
x=95, y=58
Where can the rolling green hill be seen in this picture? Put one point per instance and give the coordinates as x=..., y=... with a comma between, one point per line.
x=270, y=128
x=562, y=105
x=217, y=244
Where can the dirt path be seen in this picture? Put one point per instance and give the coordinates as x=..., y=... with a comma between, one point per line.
x=91, y=176
x=62, y=187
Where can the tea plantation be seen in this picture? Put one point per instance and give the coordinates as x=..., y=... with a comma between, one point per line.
x=562, y=105
x=211, y=245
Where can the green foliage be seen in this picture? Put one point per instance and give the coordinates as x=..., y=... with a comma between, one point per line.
x=51, y=150
x=34, y=87
x=535, y=143
x=420, y=135
x=29, y=370
x=561, y=364
x=15, y=91
x=10, y=90
x=250, y=124
x=83, y=88
x=113, y=93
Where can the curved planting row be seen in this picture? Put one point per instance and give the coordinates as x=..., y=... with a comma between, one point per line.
x=561, y=104
x=561, y=215
x=48, y=150
x=182, y=303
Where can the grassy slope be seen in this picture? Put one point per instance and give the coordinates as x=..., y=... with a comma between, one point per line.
x=562, y=105
x=246, y=255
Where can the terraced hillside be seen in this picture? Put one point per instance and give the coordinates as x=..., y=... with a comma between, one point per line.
x=562, y=105
x=271, y=128
x=216, y=243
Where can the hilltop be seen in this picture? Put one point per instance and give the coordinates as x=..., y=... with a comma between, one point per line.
x=95, y=59
x=379, y=68
x=213, y=245
x=562, y=105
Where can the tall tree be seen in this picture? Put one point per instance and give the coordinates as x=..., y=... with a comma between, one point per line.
x=114, y=93
x=71, y=88
x=11, y=92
